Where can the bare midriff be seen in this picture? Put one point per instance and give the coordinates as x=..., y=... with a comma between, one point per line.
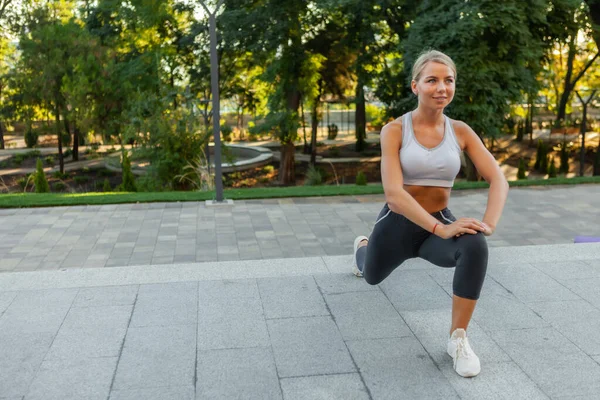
x=431, y=198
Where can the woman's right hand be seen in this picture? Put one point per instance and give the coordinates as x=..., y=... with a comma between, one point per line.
x=460, y=227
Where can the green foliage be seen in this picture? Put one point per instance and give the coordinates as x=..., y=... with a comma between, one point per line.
x=375, y=115
x=544, y=164
x=521, y=173
x=361, y=178
x=497, y=46
x=67, y=153
x=81, y=179
x=552, y=168
x=41, y=184
x=268, y=169
x=226, y=131
x=49, y=160
x=59, y=186
x=106, y=186
x=60, y=175
x=18, y=159
x=31, y=137
x=314, y=176
x=128, y=180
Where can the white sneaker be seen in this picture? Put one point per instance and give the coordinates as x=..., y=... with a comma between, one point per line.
x=466, y=363
x=357, y=241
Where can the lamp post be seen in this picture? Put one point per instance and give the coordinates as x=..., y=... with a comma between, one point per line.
x=214, y=75
x=583, y=128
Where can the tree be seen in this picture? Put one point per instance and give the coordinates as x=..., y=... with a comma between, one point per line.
x=285, y=27
x=497, y=47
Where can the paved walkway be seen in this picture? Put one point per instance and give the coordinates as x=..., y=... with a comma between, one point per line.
x=166, y=233
x=300, y=329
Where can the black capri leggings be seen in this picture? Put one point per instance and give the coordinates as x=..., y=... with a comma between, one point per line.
x=396, y=239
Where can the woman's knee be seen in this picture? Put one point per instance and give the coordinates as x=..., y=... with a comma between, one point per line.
x=474, y=247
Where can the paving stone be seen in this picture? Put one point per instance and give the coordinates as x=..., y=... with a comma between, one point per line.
x=166, y=305
x=160, y=393
x=414, y=290
x=106, y=296
x=325, y=387
x=157, y=356
x=366, y=315
x=237, y=374
x=6, y=298
x=342, y=283
x=308, y=346
x=37, y=311
x=302, y=295
x=230, y=315
x=577, y=320
x=432, y=328
x=587, y=289
x=20, y=357
x=84, y=379
x=91, y=332
x=557, y=366
x=399, y=368
x=529, y=284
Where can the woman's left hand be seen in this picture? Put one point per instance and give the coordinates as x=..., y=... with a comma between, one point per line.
x=487, y=232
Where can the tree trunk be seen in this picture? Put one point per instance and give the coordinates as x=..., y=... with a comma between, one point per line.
x=76, y=135
x=1, y=136
x=287, y=170
x=568, y=86
x=314, y=123
x=306, y=149
x=287, y=175
x=61, y=160
x=360, y=119
x=582, y=153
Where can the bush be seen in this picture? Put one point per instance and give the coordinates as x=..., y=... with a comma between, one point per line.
x=31, y=137
x=375, y=115
x=41, y=184
x=552, y=169
x=520, y=130
x=226, y=131
x=49, y=161
x=148, y=184
x=521, y=174
x=538, y=155
x=67, y=153
x=105, y=173
x=22, y=182
x=58, y=186
x=361, y=179
x=268, y=169
x=545, y=164
x=60, y=175
x=314, y=177
x=81, y=179
x=564, y=159
x=334, y=152
x=18, y=159
x=332, y=131
x=106, y=186
x=128, y=183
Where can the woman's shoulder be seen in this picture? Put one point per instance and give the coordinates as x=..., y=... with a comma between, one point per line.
x=461, y=131
x=392, y=128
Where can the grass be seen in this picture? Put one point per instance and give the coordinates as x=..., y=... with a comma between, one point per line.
x=55, y=199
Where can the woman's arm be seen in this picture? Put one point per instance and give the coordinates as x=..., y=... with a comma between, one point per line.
x=490, y=171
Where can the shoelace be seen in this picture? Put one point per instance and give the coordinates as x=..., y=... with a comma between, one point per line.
x=462, y=349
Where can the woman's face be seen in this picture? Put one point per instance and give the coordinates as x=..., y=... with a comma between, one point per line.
x=435, y=87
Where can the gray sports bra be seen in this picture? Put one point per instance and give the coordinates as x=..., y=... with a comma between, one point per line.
x=422, y=166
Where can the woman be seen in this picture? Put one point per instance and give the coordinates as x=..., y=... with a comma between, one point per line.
x=420, y=160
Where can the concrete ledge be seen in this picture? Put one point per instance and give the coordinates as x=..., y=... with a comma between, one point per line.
x=252, y=269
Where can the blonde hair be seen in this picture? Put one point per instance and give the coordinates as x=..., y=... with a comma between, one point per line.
x=431, y=56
